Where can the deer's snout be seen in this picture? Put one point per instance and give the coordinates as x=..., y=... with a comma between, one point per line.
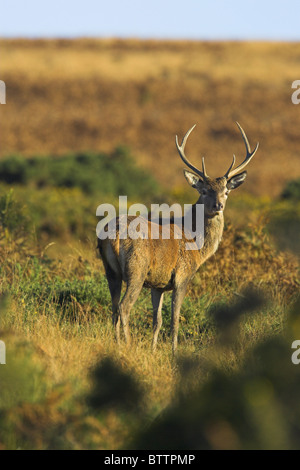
x=218, y=206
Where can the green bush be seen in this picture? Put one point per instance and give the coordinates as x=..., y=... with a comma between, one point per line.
x=94, y=173
x=292, y=190
x=14, y=221
x=14, y=170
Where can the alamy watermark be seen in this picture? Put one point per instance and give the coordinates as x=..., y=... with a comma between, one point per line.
x=296, y=95
x=154, y=225
x=296, y=355
x=2, y=352
x=2, y=92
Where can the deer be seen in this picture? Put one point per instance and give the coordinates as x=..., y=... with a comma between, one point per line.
x=165, y=264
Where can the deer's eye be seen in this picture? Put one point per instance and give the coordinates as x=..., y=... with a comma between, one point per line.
x=226, y=193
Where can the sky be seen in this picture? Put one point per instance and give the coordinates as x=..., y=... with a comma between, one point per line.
x=161, y=19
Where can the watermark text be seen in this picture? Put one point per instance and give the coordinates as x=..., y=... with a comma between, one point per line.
x=162, y=222
x=2, y=92
x=2, y=352
x=296, y=94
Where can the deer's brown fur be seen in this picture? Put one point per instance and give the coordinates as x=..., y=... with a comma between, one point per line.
x=165, y=264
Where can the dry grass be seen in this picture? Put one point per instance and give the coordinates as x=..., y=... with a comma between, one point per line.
x=70, y=354
x=67, y=351
x=94, y=94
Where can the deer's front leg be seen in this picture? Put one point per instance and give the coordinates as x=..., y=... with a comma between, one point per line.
x=177, y=299
x=157, y=301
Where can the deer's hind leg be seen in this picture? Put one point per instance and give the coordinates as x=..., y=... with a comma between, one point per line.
x=114, y=279
x=134, y=287
x=115, y=286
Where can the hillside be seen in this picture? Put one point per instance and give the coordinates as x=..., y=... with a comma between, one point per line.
x=89, y=94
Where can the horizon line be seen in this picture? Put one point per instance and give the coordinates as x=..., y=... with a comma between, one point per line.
x=145, y=38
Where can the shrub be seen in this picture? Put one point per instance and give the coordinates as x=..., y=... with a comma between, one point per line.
x=94, y=173
x=292, y=190
x=14, y=170
x=14, y=222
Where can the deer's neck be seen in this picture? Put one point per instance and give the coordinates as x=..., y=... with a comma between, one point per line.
x=213, y=230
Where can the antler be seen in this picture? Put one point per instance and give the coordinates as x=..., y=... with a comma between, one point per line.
x=180, y=149
x=229, y=173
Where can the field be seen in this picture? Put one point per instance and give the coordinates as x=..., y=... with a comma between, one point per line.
x=85, y=122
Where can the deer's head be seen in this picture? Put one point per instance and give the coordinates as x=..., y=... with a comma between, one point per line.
x=214, y=191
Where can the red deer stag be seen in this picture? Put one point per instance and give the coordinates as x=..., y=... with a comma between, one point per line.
x=165, y=264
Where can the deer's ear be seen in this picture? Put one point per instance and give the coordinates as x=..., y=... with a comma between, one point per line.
x=193, y=179
x=236, y=180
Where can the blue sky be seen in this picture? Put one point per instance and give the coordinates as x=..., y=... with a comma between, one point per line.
x=175, y=19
